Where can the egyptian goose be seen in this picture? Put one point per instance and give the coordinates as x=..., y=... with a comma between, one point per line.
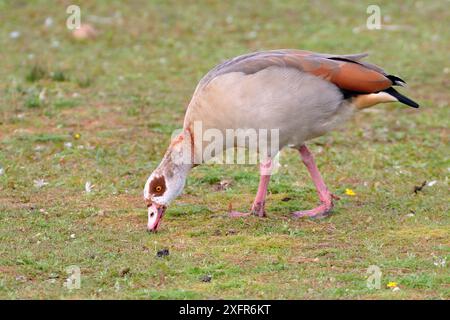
x=301, y=94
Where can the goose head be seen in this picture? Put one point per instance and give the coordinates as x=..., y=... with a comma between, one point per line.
x=167, y=181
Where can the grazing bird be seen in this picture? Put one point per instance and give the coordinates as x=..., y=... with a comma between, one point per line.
x=302, y=94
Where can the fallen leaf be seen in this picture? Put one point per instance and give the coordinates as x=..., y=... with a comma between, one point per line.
x=162, y=253
x=222, y=185
x=206, y=278
x=124, y=271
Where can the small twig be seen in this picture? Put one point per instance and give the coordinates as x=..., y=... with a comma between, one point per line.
x=419, y=188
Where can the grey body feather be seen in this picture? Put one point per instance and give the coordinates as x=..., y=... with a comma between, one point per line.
x=302, y=106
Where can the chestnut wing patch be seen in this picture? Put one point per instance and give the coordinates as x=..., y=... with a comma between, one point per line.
x=158, y=186
x=347, y=75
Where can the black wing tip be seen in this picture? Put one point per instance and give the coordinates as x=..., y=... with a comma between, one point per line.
x=401, y=98
x=397, y=81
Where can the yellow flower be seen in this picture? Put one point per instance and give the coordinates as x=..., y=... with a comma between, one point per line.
x=350, y=192
x=392, y=284
x=77, y=136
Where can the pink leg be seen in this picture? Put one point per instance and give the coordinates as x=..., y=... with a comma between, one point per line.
x=260, y=199
x=325, y=196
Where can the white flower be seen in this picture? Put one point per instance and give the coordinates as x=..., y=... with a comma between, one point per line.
x=432, y=183
x=117, y=286
x=39, y=183
x=48, y=22
x=72, y=236
x=14, y=34
x=68, y=145
x=440, y=262
x=88, y=187
x=252, y=34
x=42, y=95
x=2, y=171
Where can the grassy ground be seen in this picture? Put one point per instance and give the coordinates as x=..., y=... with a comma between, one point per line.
x=106, y=116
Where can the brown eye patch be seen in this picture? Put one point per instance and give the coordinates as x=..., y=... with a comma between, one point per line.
x=158, y=186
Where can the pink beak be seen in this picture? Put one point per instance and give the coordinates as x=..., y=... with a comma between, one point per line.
x=155, y=214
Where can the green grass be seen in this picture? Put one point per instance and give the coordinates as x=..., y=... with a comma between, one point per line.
x=126, y=91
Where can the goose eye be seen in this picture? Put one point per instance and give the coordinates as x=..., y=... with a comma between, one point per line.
x=158, y=189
